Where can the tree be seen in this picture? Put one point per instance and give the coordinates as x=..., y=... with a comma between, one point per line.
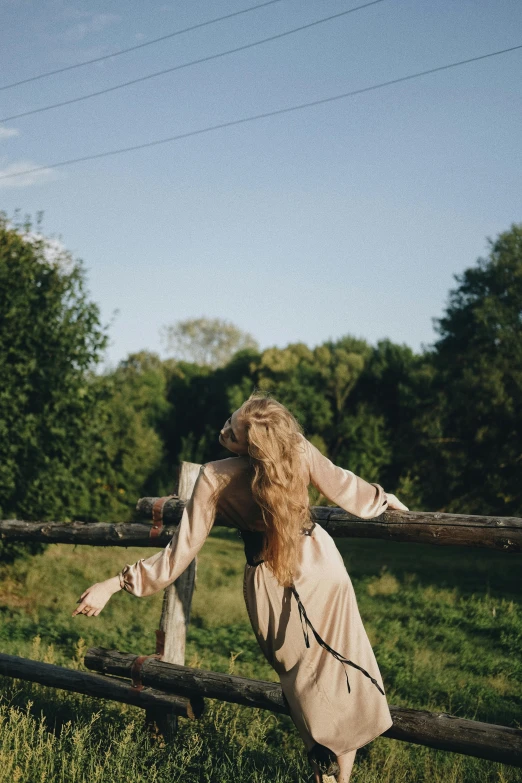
x=292, y=376
x=364, y=444
x=396, y=387
x=128, y=449
x=50, y=340
x=209, y=342
x=317, y=385
x=201, y=399
x=478, y=359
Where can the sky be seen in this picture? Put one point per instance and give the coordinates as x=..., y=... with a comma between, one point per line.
x=349, y=217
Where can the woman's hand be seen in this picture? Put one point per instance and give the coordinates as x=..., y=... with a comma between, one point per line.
x=92, y=601
x=394, y=504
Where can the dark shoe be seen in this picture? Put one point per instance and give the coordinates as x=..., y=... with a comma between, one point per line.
x=325, y=759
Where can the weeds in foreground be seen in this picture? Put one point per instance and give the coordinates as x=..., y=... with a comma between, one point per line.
x=229, y=744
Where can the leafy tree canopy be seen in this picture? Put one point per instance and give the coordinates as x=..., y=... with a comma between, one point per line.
x=441, y=428
x=478, y=361
x=128, y=451
x=50, y=339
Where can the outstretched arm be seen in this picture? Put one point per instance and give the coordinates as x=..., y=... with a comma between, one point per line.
x=350, y=492
x=148, y=576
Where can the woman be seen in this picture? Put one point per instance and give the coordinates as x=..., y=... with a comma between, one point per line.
x=299, y=597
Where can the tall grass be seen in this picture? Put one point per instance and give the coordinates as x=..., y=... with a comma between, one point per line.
x=445, y=624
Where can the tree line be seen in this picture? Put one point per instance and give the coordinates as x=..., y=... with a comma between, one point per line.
x=440, y=428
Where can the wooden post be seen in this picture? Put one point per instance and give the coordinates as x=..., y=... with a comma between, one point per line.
x=171, y=636
x=177, y=599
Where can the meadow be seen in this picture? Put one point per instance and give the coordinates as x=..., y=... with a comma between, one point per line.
x=445, y=624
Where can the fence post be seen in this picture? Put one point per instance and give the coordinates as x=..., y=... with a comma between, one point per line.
x=175, y=615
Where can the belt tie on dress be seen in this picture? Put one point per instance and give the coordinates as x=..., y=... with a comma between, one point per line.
x=305, y=621
x=254, y=540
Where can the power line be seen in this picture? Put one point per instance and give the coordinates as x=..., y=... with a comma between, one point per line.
x=192, y=62
x=264, y=115
x=138, y=46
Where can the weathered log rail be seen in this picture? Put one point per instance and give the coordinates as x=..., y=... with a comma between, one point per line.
x=99, y=686
x=426, y=527
x=500, y=533
x=435, y=730
x=181, y=690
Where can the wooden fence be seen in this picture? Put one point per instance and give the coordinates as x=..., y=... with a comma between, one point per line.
x=501, y=533
x=166, y=689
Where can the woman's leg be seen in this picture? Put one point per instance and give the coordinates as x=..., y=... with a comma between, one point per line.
x=345, y=766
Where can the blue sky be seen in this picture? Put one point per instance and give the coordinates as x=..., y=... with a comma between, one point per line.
x=347, y=218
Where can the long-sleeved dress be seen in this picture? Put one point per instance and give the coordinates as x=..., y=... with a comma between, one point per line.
x=333, y=686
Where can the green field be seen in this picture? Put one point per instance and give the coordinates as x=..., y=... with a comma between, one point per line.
x=445, y=624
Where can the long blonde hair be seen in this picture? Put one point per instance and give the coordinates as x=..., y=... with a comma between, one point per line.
x=279, y=485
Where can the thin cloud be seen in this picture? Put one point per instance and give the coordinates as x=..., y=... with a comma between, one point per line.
x=24, y=180
x=95, y=24
x=7, y=133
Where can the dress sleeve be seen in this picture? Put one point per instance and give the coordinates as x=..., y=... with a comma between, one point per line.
x=161, y=569
x=343, y=487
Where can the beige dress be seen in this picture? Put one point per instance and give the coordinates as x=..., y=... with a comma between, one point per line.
x=333, y=686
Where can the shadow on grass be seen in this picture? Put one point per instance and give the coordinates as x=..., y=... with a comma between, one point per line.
x=471, y=571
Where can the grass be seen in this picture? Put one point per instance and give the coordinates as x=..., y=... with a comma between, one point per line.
x=445, y=624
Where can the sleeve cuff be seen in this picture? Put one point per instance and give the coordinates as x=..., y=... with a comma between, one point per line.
x=121, y=576
x=382, y=501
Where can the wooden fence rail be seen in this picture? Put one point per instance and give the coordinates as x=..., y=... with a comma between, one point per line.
x=436, y=730
x=500, y=533
x=180, y=690
x=99, y=686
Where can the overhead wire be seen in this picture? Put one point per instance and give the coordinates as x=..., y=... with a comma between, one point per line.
x=265, y=115
x=138, y=46
x=200, y=60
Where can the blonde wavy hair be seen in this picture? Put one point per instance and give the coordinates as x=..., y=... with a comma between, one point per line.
x=279, y=486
